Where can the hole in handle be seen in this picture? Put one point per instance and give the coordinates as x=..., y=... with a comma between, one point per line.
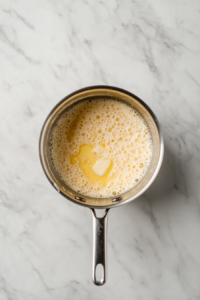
x=99, y=273
x=100, y=213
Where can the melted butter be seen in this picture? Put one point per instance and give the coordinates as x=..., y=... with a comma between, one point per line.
x=86, y=160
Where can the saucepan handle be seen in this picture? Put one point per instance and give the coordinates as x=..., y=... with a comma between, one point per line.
x=99, y=245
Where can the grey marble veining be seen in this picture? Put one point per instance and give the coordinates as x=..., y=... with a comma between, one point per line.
x=48, y=49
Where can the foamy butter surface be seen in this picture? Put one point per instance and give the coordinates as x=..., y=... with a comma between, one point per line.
x=101, y=147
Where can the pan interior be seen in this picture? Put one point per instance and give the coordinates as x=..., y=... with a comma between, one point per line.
x=93, y=93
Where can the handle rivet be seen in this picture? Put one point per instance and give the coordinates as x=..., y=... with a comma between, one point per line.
x=80, y=199
x=117, y=199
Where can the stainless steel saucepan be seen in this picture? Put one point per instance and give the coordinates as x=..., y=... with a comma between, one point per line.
x=100, y=224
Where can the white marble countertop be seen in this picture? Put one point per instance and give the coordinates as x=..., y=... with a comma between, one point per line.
x=49, y=49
